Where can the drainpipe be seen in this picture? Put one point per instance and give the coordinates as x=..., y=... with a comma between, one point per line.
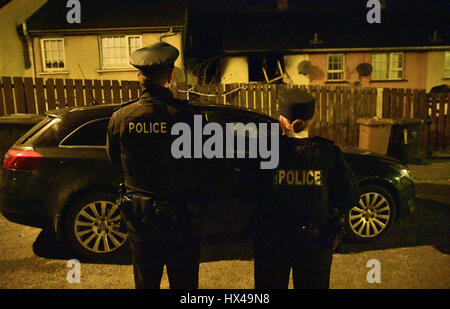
x=167, y=34
x=172, y=33
x=29, y=43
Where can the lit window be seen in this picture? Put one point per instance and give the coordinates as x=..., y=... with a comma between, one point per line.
x=335, y=67
x=115, y=51
x=447, y=65
x=387, y=66
x=53, y=58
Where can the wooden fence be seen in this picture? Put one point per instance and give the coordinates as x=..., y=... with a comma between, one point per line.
x=432, y=108
x=23, y=95
x=337, y=107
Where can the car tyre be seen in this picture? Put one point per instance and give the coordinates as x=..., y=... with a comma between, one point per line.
x=94, y=228
x=374, y=215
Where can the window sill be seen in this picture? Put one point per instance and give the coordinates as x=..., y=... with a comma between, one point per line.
x=337, y=82
x=54, y=73
x=388, y=80
x=116, y=70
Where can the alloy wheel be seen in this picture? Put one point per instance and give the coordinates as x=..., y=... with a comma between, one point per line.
x=371, y=216
x=98, y=227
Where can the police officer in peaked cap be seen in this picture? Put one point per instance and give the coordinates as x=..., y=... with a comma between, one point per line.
x=301, y=203
x=159, y=202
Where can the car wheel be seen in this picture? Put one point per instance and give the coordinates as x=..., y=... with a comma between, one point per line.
x=94, y=227
x=373, y=216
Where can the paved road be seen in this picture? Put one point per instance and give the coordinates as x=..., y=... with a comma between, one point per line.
x=415, y=255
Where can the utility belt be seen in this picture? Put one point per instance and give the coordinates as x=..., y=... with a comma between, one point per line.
x=329, y=231
x=145, y=206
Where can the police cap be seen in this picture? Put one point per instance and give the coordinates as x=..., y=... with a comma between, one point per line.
x=297, y=104
x=156, y=59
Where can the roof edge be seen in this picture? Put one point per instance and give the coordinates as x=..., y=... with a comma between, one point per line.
x=116, y=29
x=341, y=49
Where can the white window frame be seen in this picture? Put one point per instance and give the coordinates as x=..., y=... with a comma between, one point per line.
x=389, y=68
x=336, y=71
x=447, y=64
x=44, y=67
x=127, y=47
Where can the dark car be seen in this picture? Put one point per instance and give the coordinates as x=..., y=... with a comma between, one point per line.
x=13, y=126
x=58, y=174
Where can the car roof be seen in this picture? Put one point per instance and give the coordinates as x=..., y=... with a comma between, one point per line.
x=60, y=112
x=103, y=110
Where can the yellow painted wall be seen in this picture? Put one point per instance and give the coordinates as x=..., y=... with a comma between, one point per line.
x=422, y=70
x=414, y=74
x=11, y=48
x=291, y=63
x=83, y=50
x=234, y=70
x=435, y=72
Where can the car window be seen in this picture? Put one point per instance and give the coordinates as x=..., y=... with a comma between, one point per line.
x=92, y=133
x=34, y=130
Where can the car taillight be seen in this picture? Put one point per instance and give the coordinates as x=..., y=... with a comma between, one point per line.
x=21, y=160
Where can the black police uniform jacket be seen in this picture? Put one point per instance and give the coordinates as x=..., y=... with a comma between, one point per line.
x=139, y=140
x=312, y=179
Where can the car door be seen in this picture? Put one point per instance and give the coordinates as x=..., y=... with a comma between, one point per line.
x=83, y=153
x=230, y=211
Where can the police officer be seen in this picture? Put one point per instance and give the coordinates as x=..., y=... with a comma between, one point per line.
x=160, y=212
x=296, y=223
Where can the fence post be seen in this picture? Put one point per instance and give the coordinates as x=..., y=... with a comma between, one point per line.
x=107, y=92
x=98, y=91
x=40, y=96
x=7, y=91
x=447, y=124
x=243, y=95
x=50, y=91
x=70, y=92
x=19, y=92
x=182, y=86
x=79, y=92
x=60, y=94
x=440, y=141
x=29, y=95
x=380, y=96
x=2, y=106
x=386, y=111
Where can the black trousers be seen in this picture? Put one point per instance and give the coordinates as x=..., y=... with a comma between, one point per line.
x=176, y=246
x=277, y=250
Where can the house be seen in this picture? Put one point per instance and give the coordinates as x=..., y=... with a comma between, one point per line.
x=12, y=14
x=311, y=42
x=297, y=42
x=100, y=45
